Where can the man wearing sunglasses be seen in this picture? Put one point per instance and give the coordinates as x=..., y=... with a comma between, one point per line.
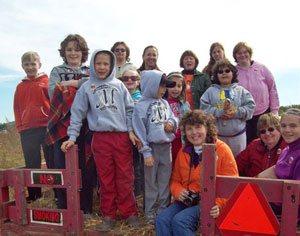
x=122, y=53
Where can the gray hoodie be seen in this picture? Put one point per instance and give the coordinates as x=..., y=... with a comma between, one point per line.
x=106, y=103
x=150, y=114
x=65, y=72
x=212, y=102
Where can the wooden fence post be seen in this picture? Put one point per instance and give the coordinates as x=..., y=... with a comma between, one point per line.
x=208, y=189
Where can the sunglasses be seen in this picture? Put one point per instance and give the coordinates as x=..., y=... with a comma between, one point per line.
x=126, y=78
x=263, y=131
x=222, y=71
x=120, y=50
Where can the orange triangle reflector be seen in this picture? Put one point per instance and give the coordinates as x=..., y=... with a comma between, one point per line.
x=247, y=212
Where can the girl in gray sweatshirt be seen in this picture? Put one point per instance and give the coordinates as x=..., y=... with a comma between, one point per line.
x=230, y=104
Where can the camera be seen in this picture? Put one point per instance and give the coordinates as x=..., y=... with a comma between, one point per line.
x=192, y=199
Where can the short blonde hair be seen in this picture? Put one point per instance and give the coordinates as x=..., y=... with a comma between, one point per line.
x=239, y=46
x=266, y=120
x=30, y=56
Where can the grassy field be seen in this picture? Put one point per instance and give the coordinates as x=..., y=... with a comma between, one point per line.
x=11, y=156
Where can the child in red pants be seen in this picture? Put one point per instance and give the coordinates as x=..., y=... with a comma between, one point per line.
x=108, y=106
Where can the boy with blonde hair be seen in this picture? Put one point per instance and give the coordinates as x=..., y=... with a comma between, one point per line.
x=31, y=108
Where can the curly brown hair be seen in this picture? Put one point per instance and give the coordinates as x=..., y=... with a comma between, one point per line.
x=198, y=117
x=81, y=45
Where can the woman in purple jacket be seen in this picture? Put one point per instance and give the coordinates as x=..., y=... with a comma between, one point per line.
x=259, y=81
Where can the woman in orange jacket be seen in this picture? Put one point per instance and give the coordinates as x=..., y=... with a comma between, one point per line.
x=182, y=217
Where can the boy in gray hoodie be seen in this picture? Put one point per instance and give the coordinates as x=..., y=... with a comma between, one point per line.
x=108, y=106
x=155, y=125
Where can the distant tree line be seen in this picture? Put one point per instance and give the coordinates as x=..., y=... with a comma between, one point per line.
x=282, y=109
x=3, y=126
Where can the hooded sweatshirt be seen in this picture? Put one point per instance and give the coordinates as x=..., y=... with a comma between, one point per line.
x=259, y=81
x=65, y=72
x=150, y=114
x=31, y=103
x=106, y=103
x=212, y=101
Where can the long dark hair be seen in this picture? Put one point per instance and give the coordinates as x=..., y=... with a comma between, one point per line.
x=182, y=95
x=142, y=67
x=209, y=68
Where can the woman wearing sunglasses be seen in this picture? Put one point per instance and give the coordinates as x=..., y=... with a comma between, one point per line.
x=259, y=81
x=230, y=104
x=122, y=53
x=264, y=151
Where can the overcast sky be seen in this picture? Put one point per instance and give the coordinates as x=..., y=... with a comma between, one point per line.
x=271, y=28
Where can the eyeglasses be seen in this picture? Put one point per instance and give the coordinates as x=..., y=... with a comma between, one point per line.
x=126, y=78
x=263, y=131
x=222, y=71
x=119, y=49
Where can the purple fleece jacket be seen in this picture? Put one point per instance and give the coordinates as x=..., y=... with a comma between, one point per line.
x=288, y=164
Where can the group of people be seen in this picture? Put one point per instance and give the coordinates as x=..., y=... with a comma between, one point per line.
x=141, y=131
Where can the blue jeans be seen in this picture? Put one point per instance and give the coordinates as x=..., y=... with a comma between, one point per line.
x=59, y=162
x=177, y=220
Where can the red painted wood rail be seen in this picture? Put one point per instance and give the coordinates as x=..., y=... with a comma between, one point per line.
x=285, y=192
x=17, y=217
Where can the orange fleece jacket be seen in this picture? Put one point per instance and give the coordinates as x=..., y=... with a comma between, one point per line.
x=226, y=165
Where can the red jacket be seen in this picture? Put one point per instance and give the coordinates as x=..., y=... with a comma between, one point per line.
x=256, y=157
x=31, y=103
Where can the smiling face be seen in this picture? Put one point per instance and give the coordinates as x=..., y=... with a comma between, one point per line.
x=189, y=63
x=243, y=56
x=269, y=135
x=130, y=84
x=196, y=134
x=31, y=67
x=102, y=65
x=150, y=58
x=73, y=54
x=175, y=92
x=290, y=127
x=225, y=76
x=217, y=53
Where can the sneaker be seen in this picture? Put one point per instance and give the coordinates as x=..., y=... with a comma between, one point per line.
x=134, y=222
x=107, y=224
x=150, y=220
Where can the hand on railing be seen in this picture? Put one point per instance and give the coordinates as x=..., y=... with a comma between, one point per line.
x=66, y=145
